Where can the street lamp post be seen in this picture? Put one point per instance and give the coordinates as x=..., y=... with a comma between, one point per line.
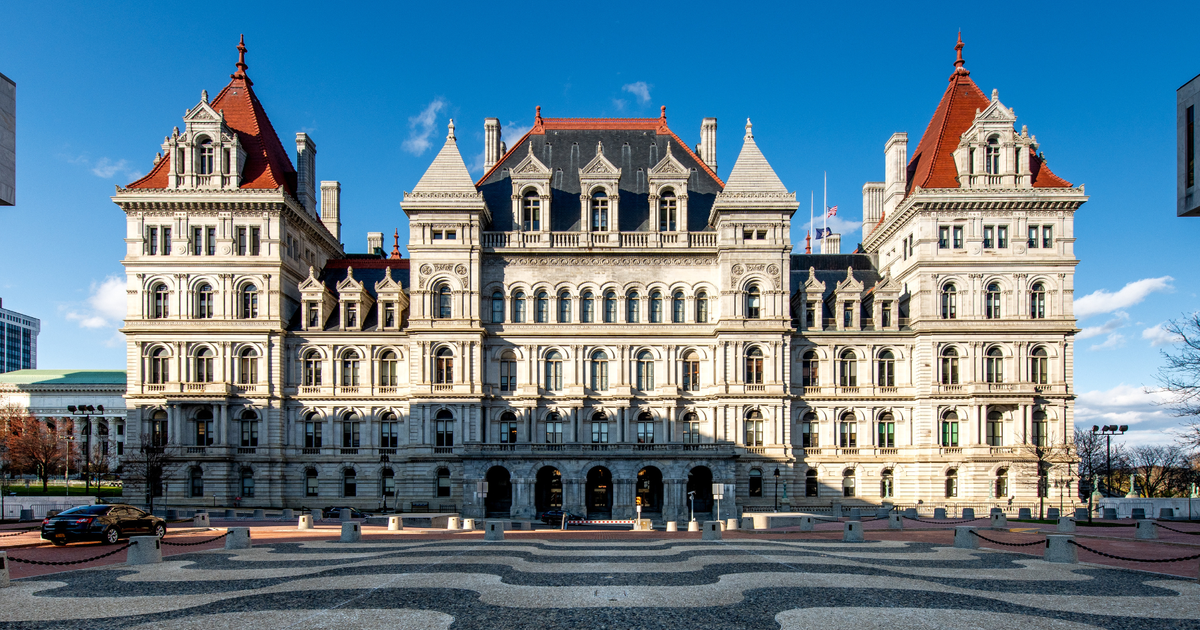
x=86, y=411
x=1108, y=431
x=776, y=489
x=383, y=459
x=692, y=504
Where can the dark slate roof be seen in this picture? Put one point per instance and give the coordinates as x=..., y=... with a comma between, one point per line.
x=369, y=269
x=831, y=269
x=565, y=151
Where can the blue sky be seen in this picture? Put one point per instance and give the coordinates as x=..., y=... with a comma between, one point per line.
x=100, y=84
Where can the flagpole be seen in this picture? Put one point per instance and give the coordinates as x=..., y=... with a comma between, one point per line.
x=825, y=204
x=812, y=221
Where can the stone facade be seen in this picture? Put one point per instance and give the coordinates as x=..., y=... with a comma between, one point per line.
x=1187, y=102
x=601, y=322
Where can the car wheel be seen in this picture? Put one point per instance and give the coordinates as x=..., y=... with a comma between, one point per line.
x=111, y=535
x=59, y=543
x=160, y=530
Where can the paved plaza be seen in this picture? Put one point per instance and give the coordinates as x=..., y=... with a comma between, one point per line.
x=611, y=579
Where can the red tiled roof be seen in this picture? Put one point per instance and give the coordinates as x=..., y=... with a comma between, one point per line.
x=366, y=263
x=1042, y=176
x=157, y=177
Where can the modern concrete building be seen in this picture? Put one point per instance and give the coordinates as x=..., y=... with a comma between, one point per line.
x=8, y=141
x=48, y=394
x=601, y=321
x=1187, y=101
x=18, y=340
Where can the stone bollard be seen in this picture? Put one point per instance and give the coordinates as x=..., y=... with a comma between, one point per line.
x=305, y=522
x=287, y=514
x=493, y=530
x=1146, y=530
x=172, y=515
x=260, y=515
x=230, y=513
x=344, y=514
x=747, y=522
x=26, y=515
x=964, y=537
x=528, y=525
x=1066, y=525
x=238, y=538
x=1166, y=513
x=712, y=530
x=999, y=520
x=1024, y=514
x=995, y=510
x=731, y=523
x=807, y=523
x=1110, y=514
x=351, y=531
x=910, y=512
x=1052, y=514
x=1137, y=514
x=4, y=569
x=968, y=513
x=672, y=526
x=1060, y=549
x=835, y=509
x=883, y=511
x=939, y=514
x=453, y=522
x=469, y=523
x=693, y=526
x=895, y=521
x=1081, y=514
x=148, y=550
x=852, y=531
x=200, y=520
x=855, y=514
x=395, y=524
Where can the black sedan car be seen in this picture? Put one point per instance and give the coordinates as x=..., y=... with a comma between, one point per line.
x=555, y=517
x=336, y=512
x=106, y=523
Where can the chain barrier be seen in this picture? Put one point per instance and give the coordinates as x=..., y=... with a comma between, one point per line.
x=1008, y=544
x=193, y=544
x=180, y=520
x=1109, y=555
x=968, y=520
x=23, y=531
x=1177, y=531
x=69, y=562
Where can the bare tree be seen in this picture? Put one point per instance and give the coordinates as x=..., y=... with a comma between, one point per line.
x=1052, y=459
x=1161, y=469
x=149, y=465
x=1180, y=375
x=32, y=445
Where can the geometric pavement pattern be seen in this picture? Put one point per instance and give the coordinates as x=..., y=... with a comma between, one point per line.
x=544, y=585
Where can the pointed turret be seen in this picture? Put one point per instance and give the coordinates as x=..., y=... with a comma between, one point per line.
x=751, y=173
x=448, y=172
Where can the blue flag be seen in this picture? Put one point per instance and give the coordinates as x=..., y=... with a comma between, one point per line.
x=817, y=236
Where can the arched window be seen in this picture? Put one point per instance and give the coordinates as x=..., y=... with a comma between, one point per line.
x=443, y=482
x=809, y=366
x=196, y=483
x=848, y=431
x=204, y=427
x=887, y=430
x=887, y=484
x=809, y=431
x=312, y=368
x=311, y=486
x=554, y=428
x=350, y=369
x=645, y=428
x=1039, y=366
x=599, y=371
x=587, y=308
x=508, y=428
x=351, y=433
x=848, y=369
x=204, y=366
x=887, y=369
x=753, y=302
x=811, y=489
x=599, y=211
x=702, y=308
x=668, y=212
x=387, y=487
x=678, y=306
x=848, y=482
x=992, y=156
x=443, y=305
x=993, y=366
x=755, y=482
x=949, y=366
x=645, y=371
x=691, y=371
x=518, y=308
x=564, y=308
x=691, y=428
x=991, y=301
x=754, y=428
x=950, y=429
x=444, y=427
x=497, y=307
x=1040, y=428
x=952, y=483
x=205, y=167
x=541, y=312
x=554, y=363
x=160, y=366
x=949, y=302
x=249, y=301
x=247, y=483
x=204, y=301
x=754, y=366
x=1001, y=490
x=656, y=308
x=632, y=307
x=443, y=366
x=1037, y=301
x=389, y=369
x=995, y=428
x=158, y=428
x=248, y=366
x=349, y=483
x=531, y=212
x=599, y=428
x=161, y=307
x=508, y=372
x=389, y=430
x=610, y=308
x=249, y=427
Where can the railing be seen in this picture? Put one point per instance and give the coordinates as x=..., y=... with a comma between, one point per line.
x=756, y=450
x=950, y=389
x=388, y=389
x=756, y=388
x=195, y=387
x=888, y=451
x=635, y=239
x=811, y=450
x=994, y=180
x=443, y=387
x=196, y=450
x=497, y=447
x=1002, y=450
x=851, y=389
x=702, y=239
x=601, y=447
x=156, y=387
x=443, y=450
x=812, y=390
x=349, y=451
x=310, y=451
x=699, y=447
x=1001, y=387
x=847, y=451
x=952, y=450
x=387, y=451
x=247, y=450
x=547, y=447
x=348, y=389
x=564, y=239
x=889, y=390
x=599, y=239
x=310, y=389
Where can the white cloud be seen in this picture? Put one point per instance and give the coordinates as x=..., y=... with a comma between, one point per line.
x=513, y=132
x=105, y=306
x=1103, y=301
x=106, y=168
x=1158, y=335
x=1107, y=327
x=620, y=104
x=477, y=163
x=640, y=90
x=1115, y=340
x=837, y=224
x=1138, y=407
x=420, y=127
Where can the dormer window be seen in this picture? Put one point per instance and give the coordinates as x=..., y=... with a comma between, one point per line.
x=531, y=212
x=992, y=156
x=206, y=157
x=314, y=315
x=351, y=315
x=599, y=211
x=668, y=212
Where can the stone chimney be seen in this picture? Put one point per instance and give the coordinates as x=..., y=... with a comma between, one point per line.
x=896, y=171
x=707, y=149
x=331, y=207
x=491, y=143
x=872, y=206
x=306, y=172
x=831, y=244
x=375, y=243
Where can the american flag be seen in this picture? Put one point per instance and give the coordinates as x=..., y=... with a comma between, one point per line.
x=831, y=212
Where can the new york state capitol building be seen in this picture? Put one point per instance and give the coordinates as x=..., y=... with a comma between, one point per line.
x=600, y=321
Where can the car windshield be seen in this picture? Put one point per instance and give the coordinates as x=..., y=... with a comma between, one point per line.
x=86, y=509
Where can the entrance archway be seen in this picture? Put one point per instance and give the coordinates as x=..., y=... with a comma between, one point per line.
x=599, y=493
x=700, y=481
x=547, y=492
x=499, y=496
x=650, y=489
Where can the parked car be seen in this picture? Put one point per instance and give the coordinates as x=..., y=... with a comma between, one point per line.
x=106, y=523
x=555, y=517
x=336, y=512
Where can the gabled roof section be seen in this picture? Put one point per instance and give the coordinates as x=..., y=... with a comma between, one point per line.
x=932, y=164
x=1042, y=176
x=751, y=173
x=448, y=172
x=531, y=166
x=600, y=166
x=157, y=177
x=669, y=165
